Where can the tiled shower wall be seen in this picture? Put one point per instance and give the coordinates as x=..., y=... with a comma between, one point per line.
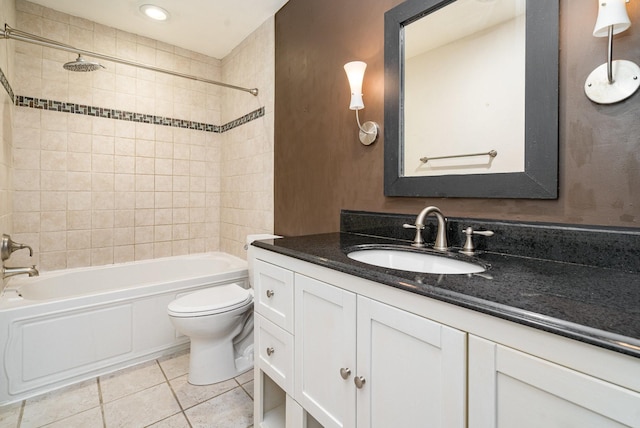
x=7, y=14
x=246, y=196
x=93, y=190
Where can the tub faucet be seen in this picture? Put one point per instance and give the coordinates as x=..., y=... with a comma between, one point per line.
x=441, y=235
x=7, y=246
x=12, y=271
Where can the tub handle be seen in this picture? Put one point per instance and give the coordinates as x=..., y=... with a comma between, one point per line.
x=8, y=246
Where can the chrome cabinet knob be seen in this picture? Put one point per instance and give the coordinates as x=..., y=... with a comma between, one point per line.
x=345, y=373
x=270, y=351
x=359, y=381
x=270, y=293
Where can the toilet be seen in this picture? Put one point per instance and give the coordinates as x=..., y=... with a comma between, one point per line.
x=219, y=323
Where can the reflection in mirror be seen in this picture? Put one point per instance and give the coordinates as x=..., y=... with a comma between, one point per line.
x=471, y=99
x=464, y=85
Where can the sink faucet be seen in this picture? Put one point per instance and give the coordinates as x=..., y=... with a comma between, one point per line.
x=441, y=235
x=11, y=271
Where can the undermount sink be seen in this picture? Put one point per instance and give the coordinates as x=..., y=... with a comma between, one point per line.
x=414, y=261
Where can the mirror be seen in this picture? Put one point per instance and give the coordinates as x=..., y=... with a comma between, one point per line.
x=471, y=99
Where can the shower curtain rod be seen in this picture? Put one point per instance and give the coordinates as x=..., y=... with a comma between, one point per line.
x=11, y=33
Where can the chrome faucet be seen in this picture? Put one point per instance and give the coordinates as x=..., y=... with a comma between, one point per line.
x=441, y=234
x=12, y=271
x=7, y=246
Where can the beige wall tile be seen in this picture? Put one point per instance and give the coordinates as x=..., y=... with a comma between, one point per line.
x=132, y=191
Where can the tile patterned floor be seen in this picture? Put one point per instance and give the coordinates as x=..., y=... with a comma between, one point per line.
x=153, y=394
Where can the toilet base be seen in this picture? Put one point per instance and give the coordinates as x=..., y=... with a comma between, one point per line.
x=212, y=363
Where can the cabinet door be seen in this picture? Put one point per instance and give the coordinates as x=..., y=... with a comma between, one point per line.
x=508, y=388
x=325, y=343
x=274, y=352
x=273, y=299
x=414, y=370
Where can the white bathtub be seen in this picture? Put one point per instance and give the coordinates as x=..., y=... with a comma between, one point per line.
x=66, y=326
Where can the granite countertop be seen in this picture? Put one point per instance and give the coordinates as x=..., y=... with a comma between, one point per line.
x=596, y=305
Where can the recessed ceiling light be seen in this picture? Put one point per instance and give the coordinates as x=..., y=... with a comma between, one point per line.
x=154, y=12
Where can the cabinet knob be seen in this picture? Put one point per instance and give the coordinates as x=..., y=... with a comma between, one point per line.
x=359, y=381
x=345, y=373
x=270, y=293
x=270, y=351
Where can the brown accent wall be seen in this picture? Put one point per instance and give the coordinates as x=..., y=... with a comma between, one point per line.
x=321, y=167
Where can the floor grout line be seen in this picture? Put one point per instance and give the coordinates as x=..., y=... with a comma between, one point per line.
x=175, y=396
x=104, y=419
x=24, y=403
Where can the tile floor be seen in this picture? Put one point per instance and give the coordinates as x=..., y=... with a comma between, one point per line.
x=152, y=394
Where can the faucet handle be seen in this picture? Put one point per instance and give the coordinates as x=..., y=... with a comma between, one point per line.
x=417, y=241
x=8, y=246
x=468, y=248
x=413, y=226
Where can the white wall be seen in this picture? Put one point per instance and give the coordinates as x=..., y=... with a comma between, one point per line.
x=467, y=97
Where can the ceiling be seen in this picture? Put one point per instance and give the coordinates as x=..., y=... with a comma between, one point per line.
x=210, y=27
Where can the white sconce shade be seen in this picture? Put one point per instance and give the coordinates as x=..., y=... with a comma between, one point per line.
x=613, y=81
x=355, y=74
x=611, y=13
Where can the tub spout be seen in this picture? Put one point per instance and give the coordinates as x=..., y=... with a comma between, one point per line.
x=12, y=271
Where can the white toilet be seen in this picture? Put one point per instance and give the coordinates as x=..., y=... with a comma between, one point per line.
x=219, y=323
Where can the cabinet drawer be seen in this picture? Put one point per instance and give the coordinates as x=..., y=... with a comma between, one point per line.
x=274, y=294
x=275, y=352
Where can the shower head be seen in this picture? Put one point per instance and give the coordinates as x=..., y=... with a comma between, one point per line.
x=80, y=64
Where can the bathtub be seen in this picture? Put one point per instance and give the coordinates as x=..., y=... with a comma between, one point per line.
x=69, y=325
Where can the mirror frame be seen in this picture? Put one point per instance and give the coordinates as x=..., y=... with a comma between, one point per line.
x=540, y=178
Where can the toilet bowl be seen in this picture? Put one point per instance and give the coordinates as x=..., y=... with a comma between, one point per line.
x=219, y=323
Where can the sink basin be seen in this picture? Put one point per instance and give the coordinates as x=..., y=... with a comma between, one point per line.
x=414, y=261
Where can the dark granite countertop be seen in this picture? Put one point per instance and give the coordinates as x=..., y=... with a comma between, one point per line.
x=595, y=305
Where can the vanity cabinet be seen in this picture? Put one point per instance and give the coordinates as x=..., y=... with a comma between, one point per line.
x=359, y=361
x=342, y=351
x=508, y=388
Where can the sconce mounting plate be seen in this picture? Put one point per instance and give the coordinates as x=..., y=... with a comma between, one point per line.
x=368, y=133
x=626, y=81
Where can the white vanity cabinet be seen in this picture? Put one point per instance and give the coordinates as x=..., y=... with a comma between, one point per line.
x=342, y=351
x=508, y=388
x=273, y=344
x=361, y=363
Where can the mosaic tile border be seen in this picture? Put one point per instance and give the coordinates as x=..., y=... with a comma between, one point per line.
x=107, y=113
x=7, y=86
x=64, y=107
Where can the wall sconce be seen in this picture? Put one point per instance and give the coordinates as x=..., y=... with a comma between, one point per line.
x=613, y=81
x=355, y=74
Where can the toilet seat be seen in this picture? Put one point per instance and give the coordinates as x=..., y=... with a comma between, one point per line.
x=211, y=301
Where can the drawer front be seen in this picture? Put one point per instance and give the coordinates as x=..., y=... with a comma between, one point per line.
x=275, y=352
x=274, y=294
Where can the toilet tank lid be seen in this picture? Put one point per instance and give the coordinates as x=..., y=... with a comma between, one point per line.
x=211, y=299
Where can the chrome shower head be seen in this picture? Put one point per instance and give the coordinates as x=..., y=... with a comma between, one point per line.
x=80, y=64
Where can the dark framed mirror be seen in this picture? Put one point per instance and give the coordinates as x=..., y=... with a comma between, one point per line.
x=436, y=145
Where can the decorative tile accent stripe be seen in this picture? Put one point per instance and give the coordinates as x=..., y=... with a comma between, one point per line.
x=43, y=104
x=242, y=120
x=6, y=85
